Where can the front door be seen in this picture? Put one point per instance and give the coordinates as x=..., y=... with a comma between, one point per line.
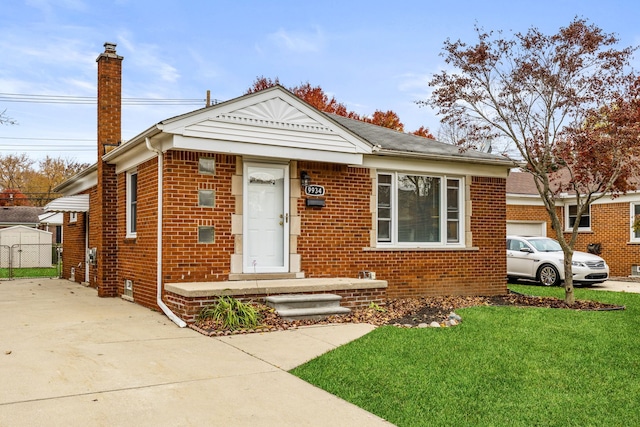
x=266, y=218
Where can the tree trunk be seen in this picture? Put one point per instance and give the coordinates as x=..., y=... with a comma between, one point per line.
x=569, y=296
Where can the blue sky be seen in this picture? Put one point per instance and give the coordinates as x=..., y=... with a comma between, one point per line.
x=368, y=54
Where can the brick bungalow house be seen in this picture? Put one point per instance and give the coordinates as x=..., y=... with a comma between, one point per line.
x=264, y=194
x=607, y=230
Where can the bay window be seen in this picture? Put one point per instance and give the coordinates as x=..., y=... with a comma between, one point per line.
x=419, y=210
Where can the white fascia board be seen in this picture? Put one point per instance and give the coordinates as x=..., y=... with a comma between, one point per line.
x=526, y=200
x=629, y=197
x=414, y=164
x=266, y=151
x=80, y=184
x=132, y=158
x=137, y=152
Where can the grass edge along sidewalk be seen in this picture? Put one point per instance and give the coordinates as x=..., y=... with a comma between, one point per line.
x=501, y=366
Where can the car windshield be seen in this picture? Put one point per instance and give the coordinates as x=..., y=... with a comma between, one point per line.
x=545, y=245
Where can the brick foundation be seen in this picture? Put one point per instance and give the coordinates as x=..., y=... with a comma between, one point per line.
x=189, y=308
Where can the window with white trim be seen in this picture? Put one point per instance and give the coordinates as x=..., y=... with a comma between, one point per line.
x=635, y=222
x=73, y=216
x=132, y=203
x=572, y=215
x=416, y=210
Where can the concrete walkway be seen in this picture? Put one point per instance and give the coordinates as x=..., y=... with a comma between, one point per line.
x=70, y=358
x=617, y=286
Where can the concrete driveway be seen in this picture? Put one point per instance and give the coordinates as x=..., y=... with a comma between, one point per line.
x=68, y=357
x=618, y=286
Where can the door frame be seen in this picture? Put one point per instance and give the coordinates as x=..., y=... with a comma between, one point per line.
x=246, y=267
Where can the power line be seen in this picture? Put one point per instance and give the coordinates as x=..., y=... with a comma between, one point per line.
x=48, y=148
x=68, y=99
x=47, y=139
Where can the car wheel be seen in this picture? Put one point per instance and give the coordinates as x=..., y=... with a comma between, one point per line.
x=548, y=275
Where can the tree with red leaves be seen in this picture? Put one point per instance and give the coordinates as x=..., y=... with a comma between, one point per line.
x=423, y=132
x=387, y=119
x=13, y=197
x=567, y=102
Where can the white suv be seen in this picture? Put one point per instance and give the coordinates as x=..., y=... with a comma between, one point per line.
x=541, y=259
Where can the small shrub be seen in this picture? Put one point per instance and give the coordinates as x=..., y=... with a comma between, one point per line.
x=230, y=313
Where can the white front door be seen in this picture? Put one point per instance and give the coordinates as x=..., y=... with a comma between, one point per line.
x=266, y=218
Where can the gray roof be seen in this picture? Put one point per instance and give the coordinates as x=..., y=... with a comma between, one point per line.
x=20, y=215
x=399, y=142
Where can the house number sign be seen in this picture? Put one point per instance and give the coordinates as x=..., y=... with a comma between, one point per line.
x=314, y=190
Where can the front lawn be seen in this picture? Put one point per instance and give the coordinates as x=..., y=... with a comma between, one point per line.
x=502, y=366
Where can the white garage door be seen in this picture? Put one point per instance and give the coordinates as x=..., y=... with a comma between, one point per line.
x=526, y=228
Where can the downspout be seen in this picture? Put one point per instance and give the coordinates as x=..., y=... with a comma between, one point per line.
x=166, y=310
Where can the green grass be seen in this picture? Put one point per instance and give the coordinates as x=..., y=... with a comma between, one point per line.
x=29, y=272
x=501, y=366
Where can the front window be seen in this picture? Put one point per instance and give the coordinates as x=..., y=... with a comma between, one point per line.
x=132, y=203
x=572, y=216
x=418, y=210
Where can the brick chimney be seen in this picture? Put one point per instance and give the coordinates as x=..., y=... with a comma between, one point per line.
x=103, y=213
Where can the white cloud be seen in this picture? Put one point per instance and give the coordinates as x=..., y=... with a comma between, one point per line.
x=297, y=42
x=145, y=56
x=47, y=7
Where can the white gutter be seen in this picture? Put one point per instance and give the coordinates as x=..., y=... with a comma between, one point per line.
x=166, y=310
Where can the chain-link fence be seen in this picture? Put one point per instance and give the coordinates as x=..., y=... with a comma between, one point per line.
x=30, y=260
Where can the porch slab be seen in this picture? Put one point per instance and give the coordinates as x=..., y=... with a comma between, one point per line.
x=271, y=287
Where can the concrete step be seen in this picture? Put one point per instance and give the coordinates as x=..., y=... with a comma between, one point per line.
x=316, y=313
x=295, y=301
x=311, y=306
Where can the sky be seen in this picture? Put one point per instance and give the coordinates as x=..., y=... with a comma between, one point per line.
x=370, y=55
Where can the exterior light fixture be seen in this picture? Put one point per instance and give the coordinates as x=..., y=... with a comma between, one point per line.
x=305, y=179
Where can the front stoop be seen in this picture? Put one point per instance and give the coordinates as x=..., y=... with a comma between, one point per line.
x=306, y=306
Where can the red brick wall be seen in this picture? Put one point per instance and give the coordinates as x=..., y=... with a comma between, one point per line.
x=184, y=259
x=333, y=240
x=137, y=256
x=73, y=244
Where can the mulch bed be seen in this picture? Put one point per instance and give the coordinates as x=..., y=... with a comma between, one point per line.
x=406, y=312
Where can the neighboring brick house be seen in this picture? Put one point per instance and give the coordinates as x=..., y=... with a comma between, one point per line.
x=267, y=192
x=608, y=228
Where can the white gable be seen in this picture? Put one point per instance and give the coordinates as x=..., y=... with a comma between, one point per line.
x=271, y=123
x=274, y=111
